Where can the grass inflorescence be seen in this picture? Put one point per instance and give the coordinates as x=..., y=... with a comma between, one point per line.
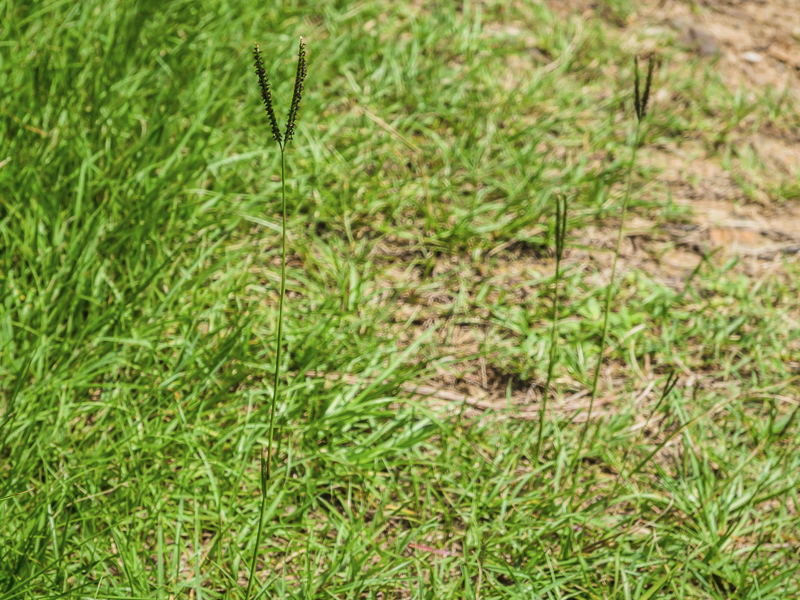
x=266, y=94
x=297, y=94
x=283, y=141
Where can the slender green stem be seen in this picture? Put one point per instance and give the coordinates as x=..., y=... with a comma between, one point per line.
x=260, y=527
x=561, y=222
x=266, y=464
x=610, y=293
x=280, y=314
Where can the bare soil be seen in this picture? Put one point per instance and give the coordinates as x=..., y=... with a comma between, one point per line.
x=755, y=46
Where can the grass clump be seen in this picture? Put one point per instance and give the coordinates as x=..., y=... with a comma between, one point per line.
x=140, y=292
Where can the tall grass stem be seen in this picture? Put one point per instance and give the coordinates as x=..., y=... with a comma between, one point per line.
x=260, y=527
x=641, y=99
x=276, y=380
x=610, y=289
x=283, y=141
x=561, y=226
x=609, y=295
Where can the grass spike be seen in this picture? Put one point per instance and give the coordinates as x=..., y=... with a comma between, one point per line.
x=637, y=105
x=647, y=84
x=266, y=94
x=297, y=95
x=642, y=98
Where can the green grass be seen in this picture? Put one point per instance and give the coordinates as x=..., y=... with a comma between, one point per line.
x=139, y=291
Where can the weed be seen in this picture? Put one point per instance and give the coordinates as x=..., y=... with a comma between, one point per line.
x=283, y=141
x=640, y=111
x=560, y=238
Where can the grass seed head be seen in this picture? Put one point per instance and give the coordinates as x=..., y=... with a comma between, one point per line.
x=640, y=100
x=297, y=95
x=561, y=224
x=266, y=94
x=636, y=104
x=645, y=99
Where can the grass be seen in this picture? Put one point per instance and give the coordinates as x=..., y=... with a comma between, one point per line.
x=282, y=139
x=140, y=277
x=641, y=96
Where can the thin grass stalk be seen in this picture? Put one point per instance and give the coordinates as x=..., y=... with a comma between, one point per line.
x=266, y=465
x=607, y=308
x=282, y=140
x=640, y=109
x=276, y=379
x=260, y=527
x=561, y=226
x=610, y=288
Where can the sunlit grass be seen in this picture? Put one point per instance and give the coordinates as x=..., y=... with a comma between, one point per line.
x=141, y=277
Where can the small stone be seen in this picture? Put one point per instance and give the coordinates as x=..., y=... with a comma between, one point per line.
x=752, y=57
x=697, y=39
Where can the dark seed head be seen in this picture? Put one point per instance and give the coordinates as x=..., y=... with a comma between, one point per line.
x=645, y=99
x=266, y=94
x=297, y=95
x=561, y=224
x=640, y=100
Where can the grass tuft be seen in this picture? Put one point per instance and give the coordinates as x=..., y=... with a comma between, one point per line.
x=141, y=285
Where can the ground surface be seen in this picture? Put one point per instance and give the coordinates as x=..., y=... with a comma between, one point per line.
x=139, y=263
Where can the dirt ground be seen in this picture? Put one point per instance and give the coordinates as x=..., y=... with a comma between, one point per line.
x=757, y=46
x=754, y=45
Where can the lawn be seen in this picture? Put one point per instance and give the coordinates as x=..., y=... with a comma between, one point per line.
x=140, y=269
